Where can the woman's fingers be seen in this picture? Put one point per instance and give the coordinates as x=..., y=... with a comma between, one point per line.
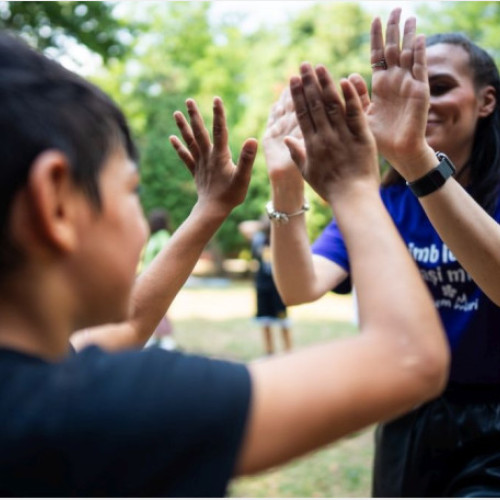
x=392, y=50
x=361, y=88
x=406, y=57
x=377, y=43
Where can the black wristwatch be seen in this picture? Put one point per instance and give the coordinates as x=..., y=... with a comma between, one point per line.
x=434, y=179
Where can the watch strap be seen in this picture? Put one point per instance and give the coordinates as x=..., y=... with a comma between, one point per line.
x=434, y=179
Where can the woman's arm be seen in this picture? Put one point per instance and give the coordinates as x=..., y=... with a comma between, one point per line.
x=397, y=113
x=299, y=276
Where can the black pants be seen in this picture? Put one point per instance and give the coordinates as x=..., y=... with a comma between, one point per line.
x=449, y=447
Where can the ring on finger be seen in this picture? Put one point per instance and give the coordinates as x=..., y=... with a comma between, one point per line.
x=380, y=64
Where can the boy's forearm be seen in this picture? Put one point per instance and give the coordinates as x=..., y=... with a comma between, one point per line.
x=157, y=287
x=378, y=255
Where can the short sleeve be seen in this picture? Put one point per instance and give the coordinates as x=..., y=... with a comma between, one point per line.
x=330, y=244
x=152, y=423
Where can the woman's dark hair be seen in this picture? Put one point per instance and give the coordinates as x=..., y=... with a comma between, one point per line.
x=44, y=106
x=483, y=165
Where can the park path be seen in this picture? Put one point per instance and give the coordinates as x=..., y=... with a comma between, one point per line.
x=238, y=301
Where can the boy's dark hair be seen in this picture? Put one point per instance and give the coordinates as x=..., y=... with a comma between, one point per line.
x=44, y=106
x=483, y=165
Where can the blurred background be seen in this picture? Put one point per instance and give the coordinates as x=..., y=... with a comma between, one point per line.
x=150, y=56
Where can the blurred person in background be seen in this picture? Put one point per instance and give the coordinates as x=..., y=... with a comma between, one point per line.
x=270, y=310
x=160, y=232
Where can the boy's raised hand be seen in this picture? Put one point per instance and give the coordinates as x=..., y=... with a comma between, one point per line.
x=219, y=182
x=341, y=150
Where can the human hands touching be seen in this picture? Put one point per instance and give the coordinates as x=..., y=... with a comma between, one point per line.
x=282, y=123
x=341, y=150
x=219, y=182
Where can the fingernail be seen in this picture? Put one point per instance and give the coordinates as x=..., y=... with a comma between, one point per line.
x=251, y=147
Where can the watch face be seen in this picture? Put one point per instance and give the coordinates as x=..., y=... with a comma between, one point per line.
x=444, y=159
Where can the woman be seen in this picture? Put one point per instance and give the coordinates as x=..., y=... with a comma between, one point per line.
x=448, y=447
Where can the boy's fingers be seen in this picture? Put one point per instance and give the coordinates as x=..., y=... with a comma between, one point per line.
x=245, y=161
x=354, y=116
x=187, y=134
x=183, y=153
x=313, y=96
x=332, y=103
x=219, y=126
x=301, y=111
x=199, y=130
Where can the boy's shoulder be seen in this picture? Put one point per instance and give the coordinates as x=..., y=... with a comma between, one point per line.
x=73, y=426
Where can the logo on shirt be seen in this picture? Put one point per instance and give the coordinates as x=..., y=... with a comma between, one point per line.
x=450, y=286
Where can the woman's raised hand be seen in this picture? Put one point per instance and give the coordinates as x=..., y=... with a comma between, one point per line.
x=282, y=123
x=397, y=112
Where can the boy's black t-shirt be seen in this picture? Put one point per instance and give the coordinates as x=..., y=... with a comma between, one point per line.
x=149, y=423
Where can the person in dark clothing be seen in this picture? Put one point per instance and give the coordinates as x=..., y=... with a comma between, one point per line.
x=270, y=310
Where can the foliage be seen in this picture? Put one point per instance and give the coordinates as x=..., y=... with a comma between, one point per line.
x=248, y=71
x=178, y=51
x=50, y=24
x=478, y=20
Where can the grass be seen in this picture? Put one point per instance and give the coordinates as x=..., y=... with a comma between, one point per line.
x=217, y=322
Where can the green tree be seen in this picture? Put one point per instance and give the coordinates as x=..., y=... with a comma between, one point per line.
x=49, y=24
x=480, y=21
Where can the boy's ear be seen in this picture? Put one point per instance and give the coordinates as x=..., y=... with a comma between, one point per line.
x=488, y=101
x=54, y=200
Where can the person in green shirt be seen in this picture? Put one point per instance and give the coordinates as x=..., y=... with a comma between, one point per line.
x=159, y=226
